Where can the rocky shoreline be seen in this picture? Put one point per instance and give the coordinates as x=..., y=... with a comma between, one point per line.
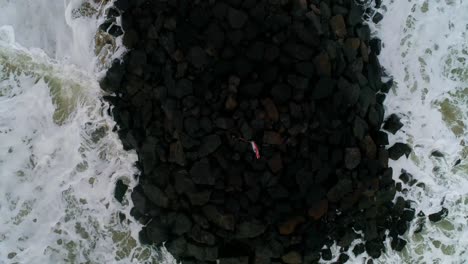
x=258, y=129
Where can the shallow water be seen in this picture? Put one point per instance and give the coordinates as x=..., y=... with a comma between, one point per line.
x=59, y=159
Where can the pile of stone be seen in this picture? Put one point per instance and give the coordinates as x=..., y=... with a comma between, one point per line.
x=206, y=83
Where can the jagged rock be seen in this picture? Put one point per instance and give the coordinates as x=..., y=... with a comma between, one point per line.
x=436, y=217
x=120, y=190
x=398, y=150
x=392, y=124
x=288, y=227
x=237, y=18
x=338, y=26
x=249, y=230
x=352, y=158
x=292, y=257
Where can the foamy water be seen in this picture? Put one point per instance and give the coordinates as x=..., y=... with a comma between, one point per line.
x=426, y=52
x=59, y=159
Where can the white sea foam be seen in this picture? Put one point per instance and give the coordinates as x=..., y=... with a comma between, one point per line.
x=59, y=159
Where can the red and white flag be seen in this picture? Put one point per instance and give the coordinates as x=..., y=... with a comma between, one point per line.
x=255, y=149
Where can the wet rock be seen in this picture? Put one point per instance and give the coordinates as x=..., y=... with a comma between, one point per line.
x=392, y=124
x=398, y=244
x=183, y=88
x=292, y=257
x=177, y=247
x=176, y=153
x=200, y=173
x=437, y=154
x=197, y=57
x=298, y=51
x=369, y=148
x=338, y=191
x=225, y=221
x=275, y=163
x=319, y=210
x=199, y=198
x=338, y=26
x=281, y=93
x=240, y=260
x=322, y=64
x=374, y=248
x=272, y=138
x=120, y=190
x=156, y=195
x=182, y=224
x=359, y=249
x=250, y=229
x=436, y=217
x=201, y=236
x=326, y=254
x=355, y=15
x=352, y=158
x=398, y=150
x=231, y=103
x=288, y=227
x=377, y=18
x=376, y=46
x=209, y=145
x=237, y=18
x=157, y=233
x=271, y=110
x=360, y=128
x=324, y=88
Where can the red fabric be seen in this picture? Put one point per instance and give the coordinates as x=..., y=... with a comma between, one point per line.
x=255, y=149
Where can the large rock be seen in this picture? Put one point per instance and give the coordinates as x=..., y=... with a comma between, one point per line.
x=338, y=26
x=352, y=158
x=237, y=18
x=398, y=150
x=209, y=145
x=292, y=257
x=436, y=217
x=250, y=229
x=225, y=221
x=392, y=124
x=156, y=195
x=201, y=173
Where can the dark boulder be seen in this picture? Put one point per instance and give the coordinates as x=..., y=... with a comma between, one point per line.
x=209, y=145
x=237, y=18
x=225, y=221
x=436, y=217
x=392, y=124
x=157, y=233
x=200, y=173
x=249, y=229
x=156, y=195
x=201, y=236
x=398, y=150
x=120, y=190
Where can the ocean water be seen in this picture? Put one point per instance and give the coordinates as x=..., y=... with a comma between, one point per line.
x=59, y=159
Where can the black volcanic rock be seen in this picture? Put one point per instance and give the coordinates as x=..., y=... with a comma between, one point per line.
x=257, y=129
x=392, y=124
